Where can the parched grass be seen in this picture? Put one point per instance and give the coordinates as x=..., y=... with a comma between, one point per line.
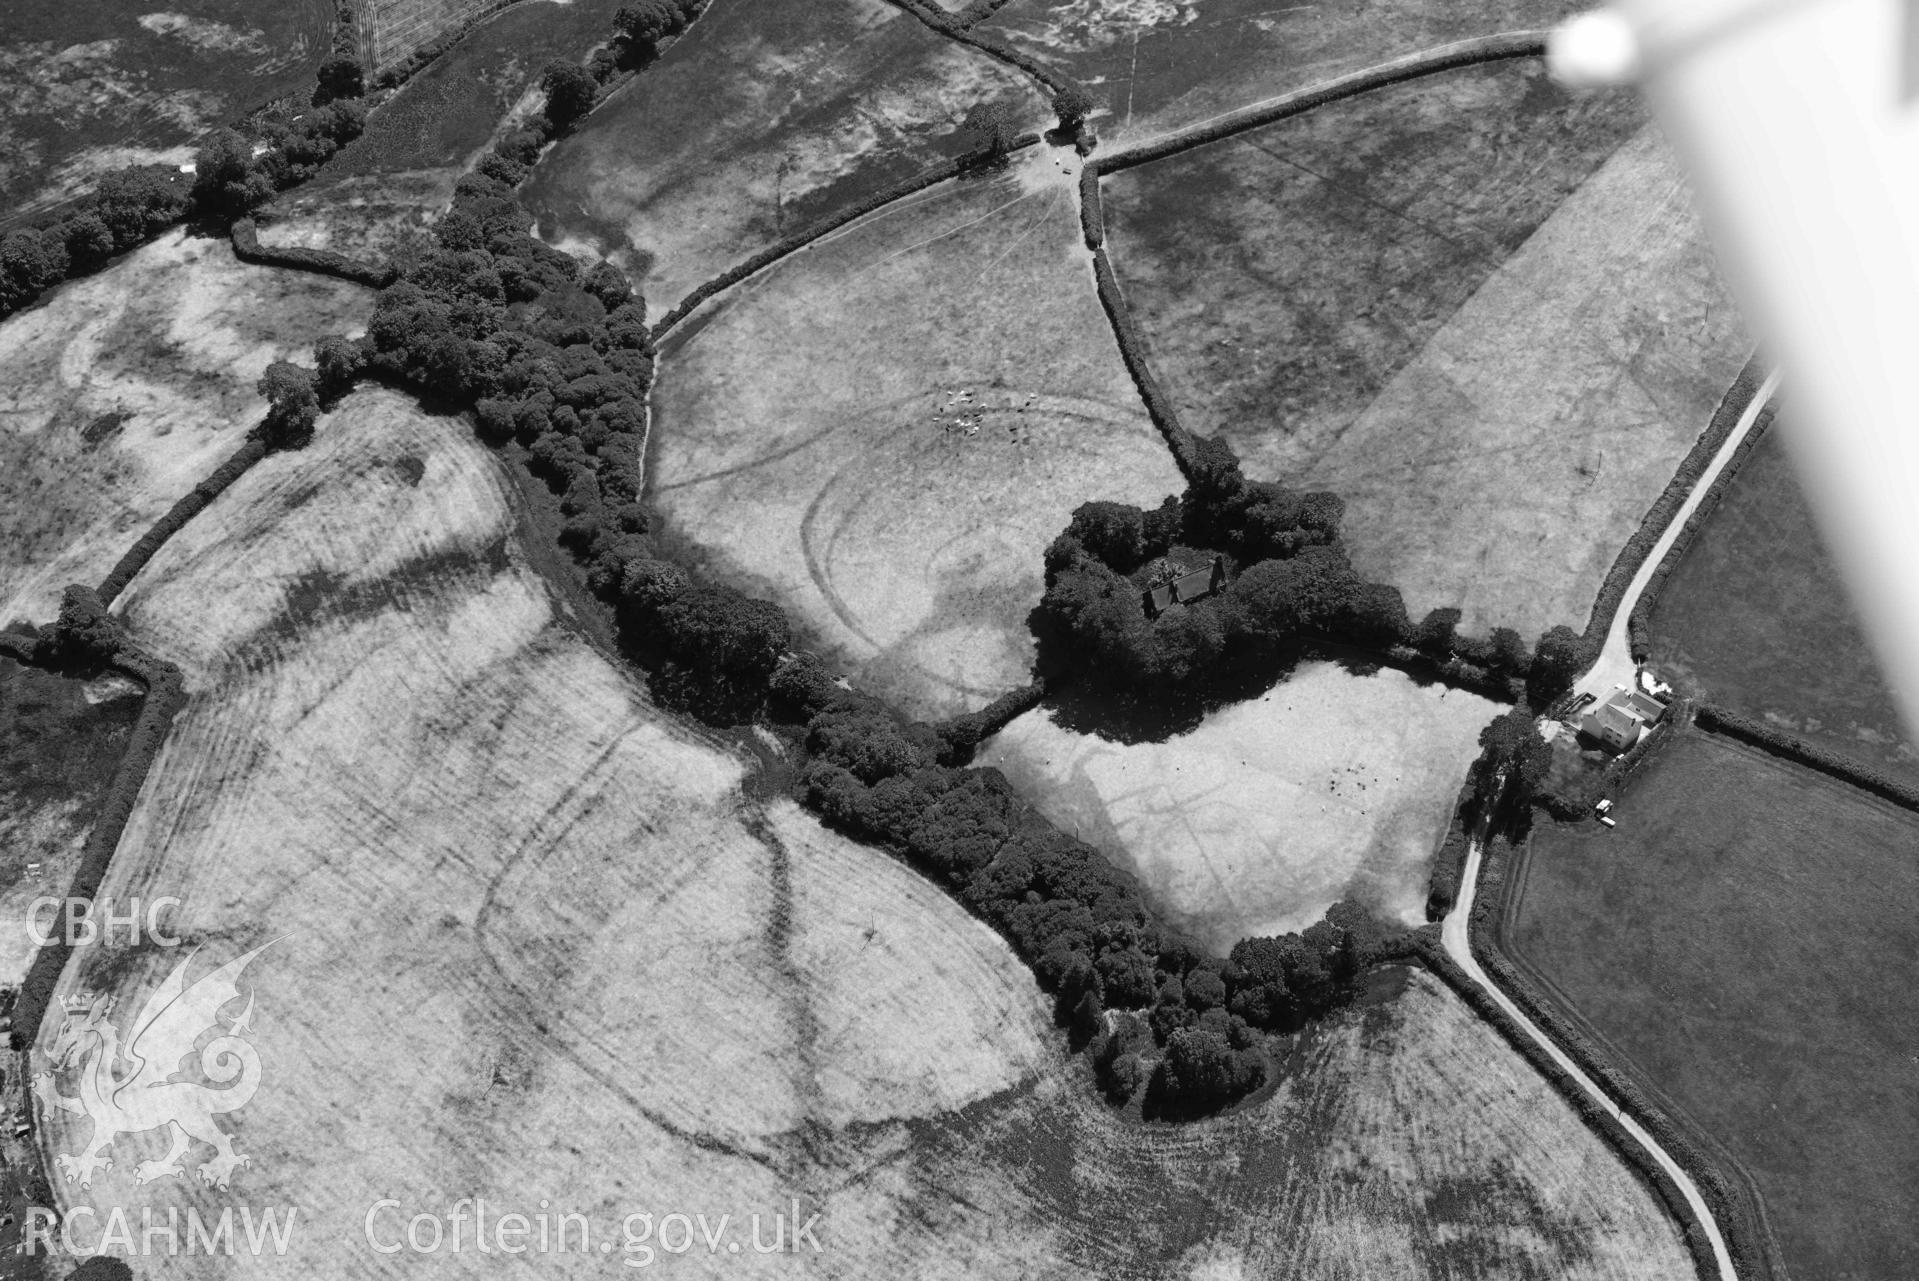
x=90, y=87
x=767, y=116
x=1754, y=617
x=1328, y=786
x=1158, y=65
x=125, y=389
x=1405, y=1140
x=591, y=969
x=1744, y=938
x=884, y=432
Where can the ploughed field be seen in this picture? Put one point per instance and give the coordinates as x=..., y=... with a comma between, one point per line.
x=1744, y=938
x=1330, y=785
x=1754, y=617
x=92, y=87
x=1480, y=310
x=766, y=116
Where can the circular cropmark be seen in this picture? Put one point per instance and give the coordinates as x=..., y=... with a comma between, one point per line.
x=927, y=542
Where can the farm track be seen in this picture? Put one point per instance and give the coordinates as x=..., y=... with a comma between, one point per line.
x=1455, y=936
x=1614, y=664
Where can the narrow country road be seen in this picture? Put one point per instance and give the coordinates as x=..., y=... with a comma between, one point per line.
x=1615, y=664
x=1453, y=935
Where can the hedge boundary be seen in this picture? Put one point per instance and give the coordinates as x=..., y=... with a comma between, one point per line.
x=245, y=237
x=1790, y=747
x=1486, y=934
x=1612, y=592
x=1412, y=66
x=192, y=504
x=977, y=12
x=1092, y=207
x=166, y=692
x=1132, y=349
x=1639, y=622
x=824, y=227
x=954, y=26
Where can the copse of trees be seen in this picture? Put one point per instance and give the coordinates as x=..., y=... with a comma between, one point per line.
x=1290, y=584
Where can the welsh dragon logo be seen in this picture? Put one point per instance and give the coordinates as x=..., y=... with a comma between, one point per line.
x=133, y=1086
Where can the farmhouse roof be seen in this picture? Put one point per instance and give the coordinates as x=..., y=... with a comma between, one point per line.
x=1609, y=720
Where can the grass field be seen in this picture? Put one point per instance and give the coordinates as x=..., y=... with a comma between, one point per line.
x=1498, y=439
x=447, y=112
x=1745, y=938
x=60, y=740
x=124, y=389
x=1330, y=785
x=1754, y=617
x=765, y=117
x=885, y=431
x=86, y=88
x=1283, y=277
x=1160, y=64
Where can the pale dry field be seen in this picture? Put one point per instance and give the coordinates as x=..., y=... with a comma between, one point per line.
x=1503, y=468
x=884, y=432
x=766, y=116
x=534, y=945
x=1329, y=785
x=533, y=941
x=126, y=389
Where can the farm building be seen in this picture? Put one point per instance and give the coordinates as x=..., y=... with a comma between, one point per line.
x=1184, y=590
x=1623, y=717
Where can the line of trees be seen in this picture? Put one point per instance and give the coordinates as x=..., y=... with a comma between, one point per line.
x=1290, y=582
x=558, y=359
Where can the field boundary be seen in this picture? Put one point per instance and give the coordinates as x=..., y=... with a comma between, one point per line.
x=192, y=504
x=789, y=245
x=1730, y=1199
x=1633, y=555
x=245, y=238
x=1411, y=66
x=1789, y=747
x=1132, y=350
x=957, y=28
x=165, y=694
